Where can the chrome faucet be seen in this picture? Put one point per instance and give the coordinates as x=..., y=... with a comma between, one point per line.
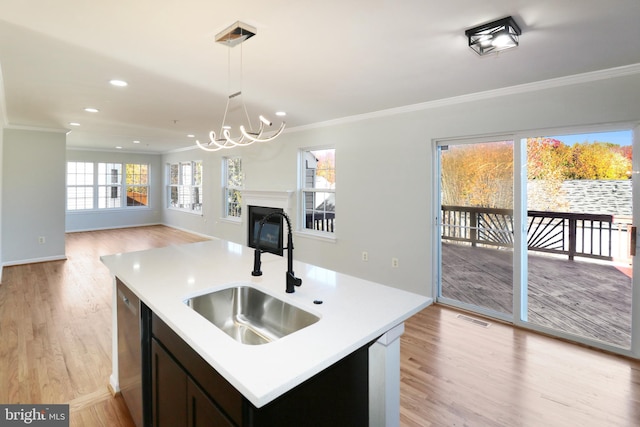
x=292, y=280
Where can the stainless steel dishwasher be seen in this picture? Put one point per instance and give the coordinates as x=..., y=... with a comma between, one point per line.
x=130, y=351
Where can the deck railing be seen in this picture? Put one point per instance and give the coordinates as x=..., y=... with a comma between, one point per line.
x=320, y=221
x=572, y=234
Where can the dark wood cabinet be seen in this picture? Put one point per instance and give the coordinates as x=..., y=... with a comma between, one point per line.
x=187, y=391
x=201, y=411
x=169, y=389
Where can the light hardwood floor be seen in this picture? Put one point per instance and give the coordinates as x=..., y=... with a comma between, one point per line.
x=55, y=329
x=55, y=324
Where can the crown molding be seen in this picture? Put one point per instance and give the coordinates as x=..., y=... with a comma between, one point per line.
x=609, y=73
x=36, y=128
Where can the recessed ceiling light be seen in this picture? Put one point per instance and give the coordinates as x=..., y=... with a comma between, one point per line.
x=191, y=135
x=136, y=142
x=91, y=110
x=118, y=147
x=74, y=124
x=119, y=83
x=281, y=113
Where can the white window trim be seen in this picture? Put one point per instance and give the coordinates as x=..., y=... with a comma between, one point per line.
x=329, y=236
x=169, y=185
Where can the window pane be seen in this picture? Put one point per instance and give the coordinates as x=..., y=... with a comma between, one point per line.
x=186, y=176
x=173, y=197
x=319, y=208
x=233, y=184
x=109, y=197
x=79, y=198
x=184, y=197
x=196, y=195
x=109, y=173
x=320, y=169
x=234, y=202
x=137, y=194
x=197, y=173
x=234, y=172
x=318, y=195
x=174, y=174
x=79, y=185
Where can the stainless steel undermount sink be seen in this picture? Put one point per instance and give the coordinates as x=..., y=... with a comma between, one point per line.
x=249, y=315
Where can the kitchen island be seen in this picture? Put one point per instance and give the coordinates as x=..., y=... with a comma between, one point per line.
x=354, y=313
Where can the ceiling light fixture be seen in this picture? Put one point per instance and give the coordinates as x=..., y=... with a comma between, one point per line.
x=91, y=110
x=494, y=36
x=119, y=83
x=235, y=35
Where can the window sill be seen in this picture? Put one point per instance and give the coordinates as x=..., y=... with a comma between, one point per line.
x=187, y=211
x=106, y=210
x=324, y=237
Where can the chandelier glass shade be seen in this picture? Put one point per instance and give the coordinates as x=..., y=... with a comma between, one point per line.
x=233, y=36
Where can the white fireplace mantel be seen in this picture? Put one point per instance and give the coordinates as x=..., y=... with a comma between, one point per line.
x=269, y=198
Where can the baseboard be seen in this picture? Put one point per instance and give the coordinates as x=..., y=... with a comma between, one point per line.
x=186, y=230
x=35, y=260
x=117, y=227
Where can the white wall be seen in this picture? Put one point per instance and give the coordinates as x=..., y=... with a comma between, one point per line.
x=33, y=192
x=385, y=170
x=126, y=217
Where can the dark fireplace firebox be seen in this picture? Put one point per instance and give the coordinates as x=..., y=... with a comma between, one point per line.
x=272, y=230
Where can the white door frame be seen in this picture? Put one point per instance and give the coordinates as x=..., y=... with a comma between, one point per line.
x=520, y=220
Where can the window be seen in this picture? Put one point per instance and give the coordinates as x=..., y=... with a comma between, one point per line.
x=109, y=185
x=185, y=186
x=318, y=169
x=79, y=185
x=99, y=185
x=137, y=184
x=232, y=182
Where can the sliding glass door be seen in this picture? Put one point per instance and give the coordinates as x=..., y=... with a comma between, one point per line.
x=539, y=231
x=580, y=223
x=476, y=226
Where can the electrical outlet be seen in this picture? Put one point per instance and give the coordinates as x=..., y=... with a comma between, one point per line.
x=365, y=256
x=394, y=262
x=41, y=240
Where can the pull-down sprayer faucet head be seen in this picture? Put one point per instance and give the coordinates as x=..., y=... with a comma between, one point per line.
x=291, y=280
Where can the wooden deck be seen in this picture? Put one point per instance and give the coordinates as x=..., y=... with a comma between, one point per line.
x=582, y=297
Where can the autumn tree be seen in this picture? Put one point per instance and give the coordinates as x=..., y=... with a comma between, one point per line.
x=478, y=175
x=598, y=160
x=482, y=174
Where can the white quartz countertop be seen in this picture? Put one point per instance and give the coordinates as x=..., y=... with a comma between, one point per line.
x=353, y=312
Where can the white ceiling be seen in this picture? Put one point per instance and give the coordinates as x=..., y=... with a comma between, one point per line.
x=316, y=60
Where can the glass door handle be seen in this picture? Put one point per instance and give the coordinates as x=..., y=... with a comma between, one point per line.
x=632, y=243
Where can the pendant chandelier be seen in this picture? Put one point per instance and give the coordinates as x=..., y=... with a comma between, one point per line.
x=233, y=36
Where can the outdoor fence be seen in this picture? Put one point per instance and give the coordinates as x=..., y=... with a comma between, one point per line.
x=597, y=236
x=320, y=220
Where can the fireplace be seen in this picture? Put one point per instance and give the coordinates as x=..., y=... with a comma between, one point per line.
x=272, y=230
